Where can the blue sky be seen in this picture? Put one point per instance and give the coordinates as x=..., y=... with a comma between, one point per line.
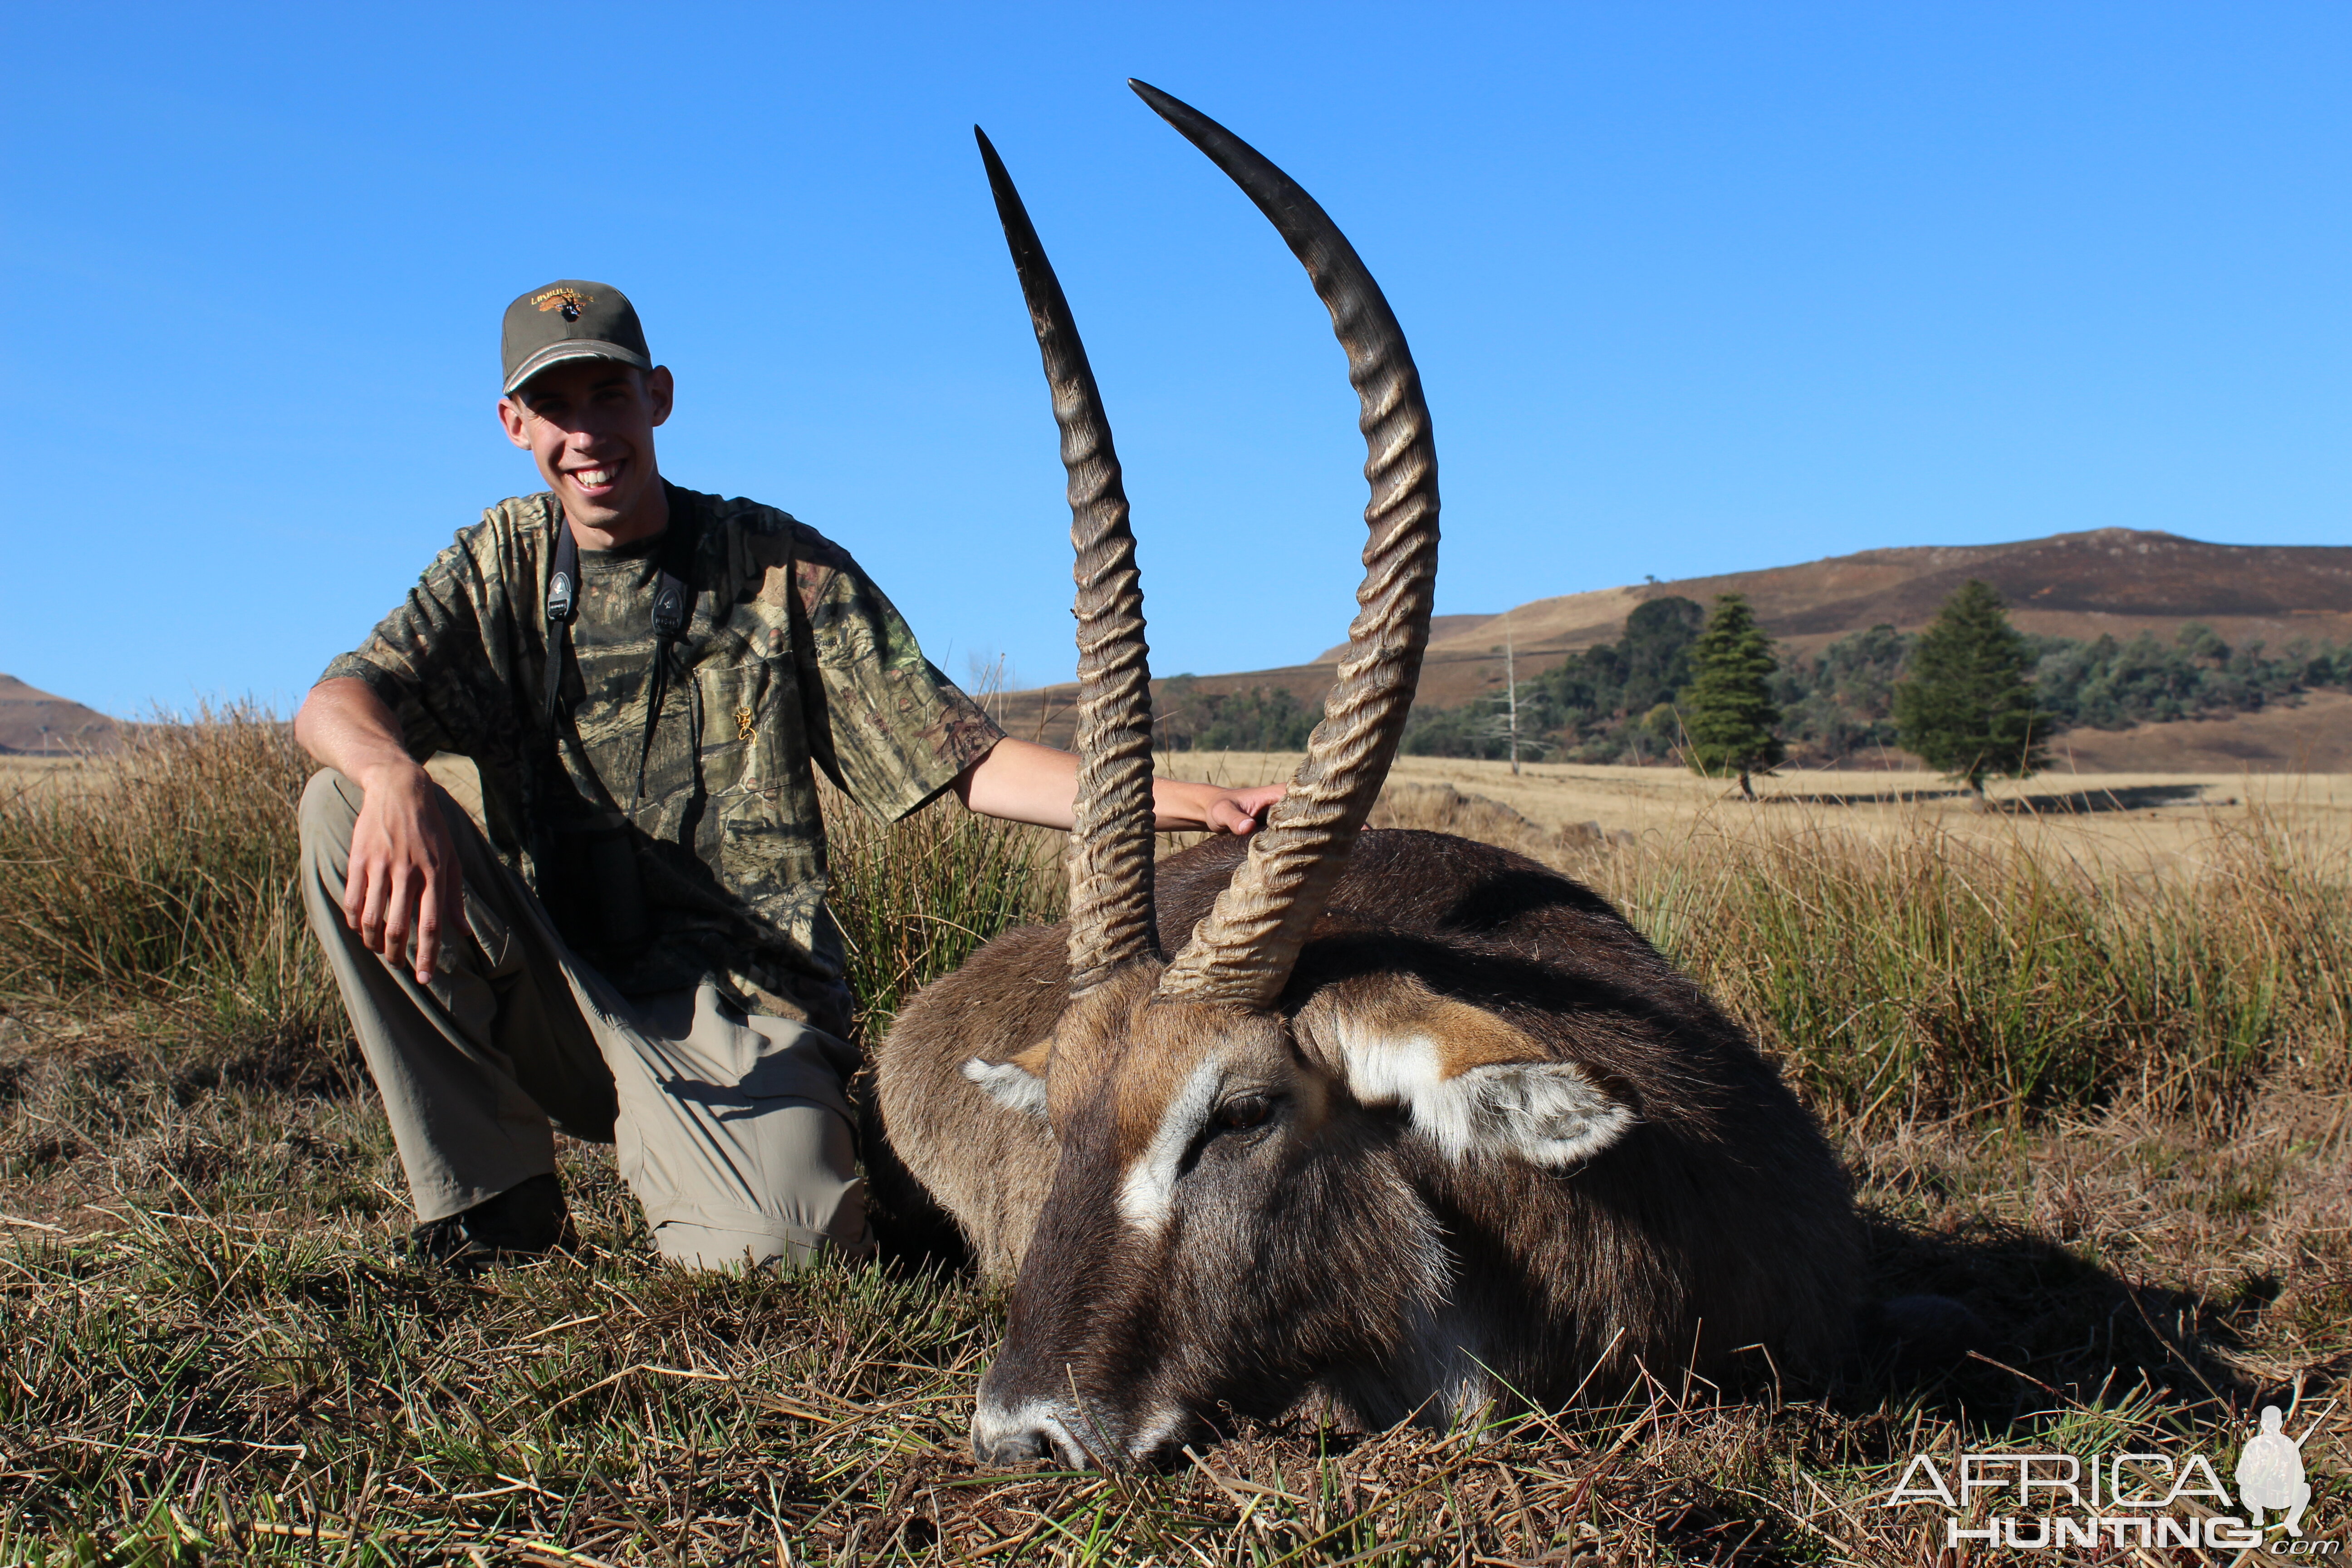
x=1694, y=288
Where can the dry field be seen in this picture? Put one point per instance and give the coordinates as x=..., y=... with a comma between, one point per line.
x=22, y=774
x=2087, y=1063
x=2126, y=818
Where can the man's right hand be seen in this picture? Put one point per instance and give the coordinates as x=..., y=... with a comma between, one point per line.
x=404, y=880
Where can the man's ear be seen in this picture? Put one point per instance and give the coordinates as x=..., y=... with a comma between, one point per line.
x=1017, y=1083
x=1472, y=1081
x=510, y=420
x=661, y=391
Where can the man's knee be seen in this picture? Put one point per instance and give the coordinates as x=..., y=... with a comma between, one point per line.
x=330, y=807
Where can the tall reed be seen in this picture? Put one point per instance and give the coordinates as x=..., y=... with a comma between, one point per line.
x=1934, y=974
x=1924, y=973
x=915, y=897
x=163, y=872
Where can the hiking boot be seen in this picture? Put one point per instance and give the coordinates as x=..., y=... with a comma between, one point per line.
x=524, y=1222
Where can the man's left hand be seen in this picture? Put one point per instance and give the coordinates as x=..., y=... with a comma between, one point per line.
x=1242, y=811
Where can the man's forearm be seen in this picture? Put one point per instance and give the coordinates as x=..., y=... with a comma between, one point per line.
x=345, y=725
x=1022, y=781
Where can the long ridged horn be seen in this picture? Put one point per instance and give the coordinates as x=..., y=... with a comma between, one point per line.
x=1110, y=845
x=1242, y=953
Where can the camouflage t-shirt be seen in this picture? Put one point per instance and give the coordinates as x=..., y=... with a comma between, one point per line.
x=717, y=869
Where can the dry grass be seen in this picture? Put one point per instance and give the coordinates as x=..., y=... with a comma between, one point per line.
x=161, y=874
x=2104, y=1107
x=1935, y=975
x=2134, y=820
x=914, y=898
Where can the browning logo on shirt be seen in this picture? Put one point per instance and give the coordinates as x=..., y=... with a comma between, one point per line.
x=569, y=301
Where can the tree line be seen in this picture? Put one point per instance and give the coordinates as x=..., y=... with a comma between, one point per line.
x=1683, y=684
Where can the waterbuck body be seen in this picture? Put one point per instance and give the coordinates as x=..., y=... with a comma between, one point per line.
x=1365, y=1244
x=1406, y=1122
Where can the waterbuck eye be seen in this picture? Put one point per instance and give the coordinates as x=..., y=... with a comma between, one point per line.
x=1243, y=1112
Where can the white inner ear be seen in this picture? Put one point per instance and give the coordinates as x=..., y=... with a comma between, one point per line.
x=1009, y=1084
x=1546, y=1113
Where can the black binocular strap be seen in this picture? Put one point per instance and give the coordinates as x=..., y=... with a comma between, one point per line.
x=673, y=611
x=562, y=609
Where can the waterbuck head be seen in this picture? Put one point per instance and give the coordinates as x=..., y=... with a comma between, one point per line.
x=1209, y=1115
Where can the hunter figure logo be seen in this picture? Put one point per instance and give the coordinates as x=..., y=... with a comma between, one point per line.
x=2270, y=1474
x=569, y=301
x=2123, y=1500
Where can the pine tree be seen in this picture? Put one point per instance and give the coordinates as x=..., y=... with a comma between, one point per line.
x=1968, y=707
x=1728, y=713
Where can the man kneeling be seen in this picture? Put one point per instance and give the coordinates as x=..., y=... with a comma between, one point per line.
x=639, y=949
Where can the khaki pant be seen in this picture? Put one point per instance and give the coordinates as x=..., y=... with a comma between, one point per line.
x=732, y=1131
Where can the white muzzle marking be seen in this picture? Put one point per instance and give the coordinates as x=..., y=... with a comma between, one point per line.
x=992, y=1425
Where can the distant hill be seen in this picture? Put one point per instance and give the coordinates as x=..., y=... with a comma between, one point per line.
x=33, y=720
x=2112, y=580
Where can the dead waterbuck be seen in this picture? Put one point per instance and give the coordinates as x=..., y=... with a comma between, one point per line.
x=1407, y=1123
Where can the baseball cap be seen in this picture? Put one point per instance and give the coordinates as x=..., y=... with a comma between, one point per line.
x=570, y=319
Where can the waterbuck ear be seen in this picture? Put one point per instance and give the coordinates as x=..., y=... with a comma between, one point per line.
x=1017, y=1083
x=1471, y=1080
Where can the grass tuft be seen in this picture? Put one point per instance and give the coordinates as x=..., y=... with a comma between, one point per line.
x=163, y=873
x=915, y=897
x=1934, y=975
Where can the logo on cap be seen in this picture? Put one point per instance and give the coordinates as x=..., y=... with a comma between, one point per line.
x=565, y=300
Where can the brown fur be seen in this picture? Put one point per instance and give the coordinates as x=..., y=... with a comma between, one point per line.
x=1335, y=1251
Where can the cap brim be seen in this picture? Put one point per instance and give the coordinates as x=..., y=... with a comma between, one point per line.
x=572, y=349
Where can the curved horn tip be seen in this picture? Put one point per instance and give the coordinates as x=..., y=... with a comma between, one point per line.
x=1162, y=102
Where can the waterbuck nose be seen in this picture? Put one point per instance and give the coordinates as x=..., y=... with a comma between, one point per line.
x=1017, y=1447
x=1017, y=1434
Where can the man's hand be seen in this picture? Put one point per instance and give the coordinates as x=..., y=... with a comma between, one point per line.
x=1237, y=811
x=1021, y=782
x=404, y=880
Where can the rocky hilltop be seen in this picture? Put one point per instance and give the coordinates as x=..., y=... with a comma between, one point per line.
x=34, y=721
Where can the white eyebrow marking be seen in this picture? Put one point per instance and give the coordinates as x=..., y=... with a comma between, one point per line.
x=1149, y=1187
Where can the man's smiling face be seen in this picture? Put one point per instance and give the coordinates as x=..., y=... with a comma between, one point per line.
x=589, y=425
